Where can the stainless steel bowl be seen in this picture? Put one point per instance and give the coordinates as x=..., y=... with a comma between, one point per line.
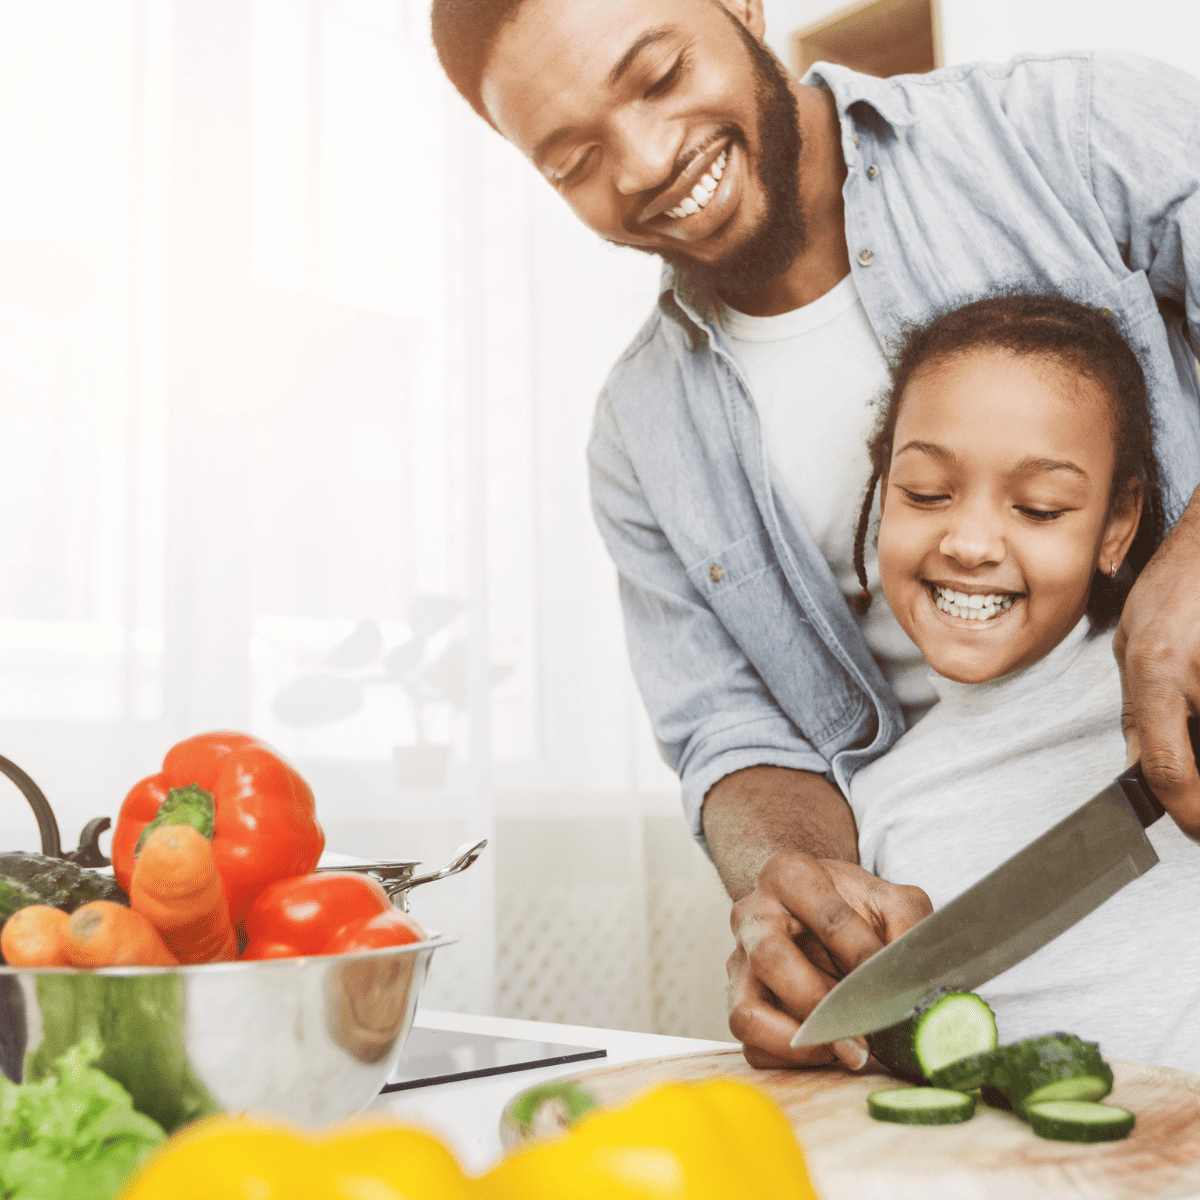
x=310, y=1040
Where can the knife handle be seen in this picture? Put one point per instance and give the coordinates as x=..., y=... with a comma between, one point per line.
x=1137, y=791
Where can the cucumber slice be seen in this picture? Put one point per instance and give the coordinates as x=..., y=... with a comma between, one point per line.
x=945, y=1028
x=965, y=1075
x=1058, y=1066
x=1079, y=1121
x=921, y=1106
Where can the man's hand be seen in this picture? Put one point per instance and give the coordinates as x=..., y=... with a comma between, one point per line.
x=1157, y=645
x=808, y=922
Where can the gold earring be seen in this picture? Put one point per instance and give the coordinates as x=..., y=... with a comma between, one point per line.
x=1112, y=573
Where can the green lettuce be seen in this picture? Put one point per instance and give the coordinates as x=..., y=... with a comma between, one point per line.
x=74, y=1133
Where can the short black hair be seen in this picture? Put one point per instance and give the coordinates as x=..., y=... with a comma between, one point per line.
x=1087, y=339
x=463, y=34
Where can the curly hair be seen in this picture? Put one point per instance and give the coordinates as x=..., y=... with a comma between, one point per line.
x=463, y=34
x=1086, y=339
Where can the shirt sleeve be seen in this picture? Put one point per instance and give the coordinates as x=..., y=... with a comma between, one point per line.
x=1142, y=151
x=710, y=711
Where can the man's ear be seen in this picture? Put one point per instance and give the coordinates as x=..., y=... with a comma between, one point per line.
x=1123, y=516
x=750, y=13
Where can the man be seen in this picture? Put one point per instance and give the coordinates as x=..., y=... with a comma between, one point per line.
x=803, y=226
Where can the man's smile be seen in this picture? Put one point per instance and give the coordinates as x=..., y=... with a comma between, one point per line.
x=700, y=200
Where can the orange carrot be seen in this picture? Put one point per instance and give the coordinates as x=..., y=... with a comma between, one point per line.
x=33, y=937
x=104, y=934
x=176, y=887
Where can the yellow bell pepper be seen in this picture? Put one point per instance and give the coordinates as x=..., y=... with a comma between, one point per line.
x=242, y=1158
x=680, y=1142
x=720, y=1140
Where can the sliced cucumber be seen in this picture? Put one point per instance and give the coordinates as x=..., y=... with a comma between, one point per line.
x=1058, y=1066
x=1079, y=1121
x=993, y=1097
x=945, y=1028
x=965, y=1075
x=921, y=1106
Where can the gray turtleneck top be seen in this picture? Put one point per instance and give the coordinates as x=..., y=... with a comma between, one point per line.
x=992, y=766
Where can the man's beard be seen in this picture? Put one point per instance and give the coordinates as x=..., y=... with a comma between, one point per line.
x=772, y=247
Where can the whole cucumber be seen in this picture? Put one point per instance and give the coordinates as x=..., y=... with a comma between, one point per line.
x=35, y=879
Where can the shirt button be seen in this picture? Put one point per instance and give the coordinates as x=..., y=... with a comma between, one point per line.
x=1105, y=311
x=872, y=171
x=865, y=257
x=715, y=573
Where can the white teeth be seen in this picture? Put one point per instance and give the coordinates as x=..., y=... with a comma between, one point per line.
x=703, y=192
x=972, y=607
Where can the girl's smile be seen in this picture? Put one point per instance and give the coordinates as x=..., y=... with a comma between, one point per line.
x=996, y=509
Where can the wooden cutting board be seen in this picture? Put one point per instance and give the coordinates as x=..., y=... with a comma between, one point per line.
x=994, y=1155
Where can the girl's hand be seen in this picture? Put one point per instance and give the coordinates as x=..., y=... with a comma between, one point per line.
x=1157, y=645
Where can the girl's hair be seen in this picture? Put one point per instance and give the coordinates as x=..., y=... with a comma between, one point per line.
x=1083, y=338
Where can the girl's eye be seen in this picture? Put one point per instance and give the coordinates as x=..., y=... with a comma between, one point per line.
x=923, y=498
x=1041, y=514
x=666, y=82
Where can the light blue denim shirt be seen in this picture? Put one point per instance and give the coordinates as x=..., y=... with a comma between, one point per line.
x=1074, y=171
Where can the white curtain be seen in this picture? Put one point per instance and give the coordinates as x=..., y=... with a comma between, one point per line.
x=297, y=363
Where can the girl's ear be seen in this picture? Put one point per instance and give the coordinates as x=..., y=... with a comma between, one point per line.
x=1123, y=516
x=750, y=13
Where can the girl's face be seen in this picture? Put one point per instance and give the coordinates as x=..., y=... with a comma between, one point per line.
x=996, y=509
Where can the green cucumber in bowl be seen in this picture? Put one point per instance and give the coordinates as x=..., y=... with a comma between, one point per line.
x=945, y=1028
x=1057, y=1066
x=36, y=879
x=921, y=1106
x=1079, y=1121
x=27, y=879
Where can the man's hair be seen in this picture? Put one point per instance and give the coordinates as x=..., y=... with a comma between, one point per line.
x=1080, y=337
x=463, y=34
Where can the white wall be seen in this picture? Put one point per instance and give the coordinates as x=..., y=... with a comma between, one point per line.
x=973, y=29
x=1164, y=29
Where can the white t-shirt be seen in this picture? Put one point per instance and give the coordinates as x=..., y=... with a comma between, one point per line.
x=814, y=373
x=993, y=766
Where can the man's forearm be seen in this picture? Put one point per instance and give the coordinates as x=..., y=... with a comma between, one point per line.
x=749, y=815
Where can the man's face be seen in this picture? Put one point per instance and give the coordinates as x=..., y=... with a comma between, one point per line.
x=664, y=125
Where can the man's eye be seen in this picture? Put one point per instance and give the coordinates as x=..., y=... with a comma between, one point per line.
x=668, y=81
x=575, y=171
x=1040, y=514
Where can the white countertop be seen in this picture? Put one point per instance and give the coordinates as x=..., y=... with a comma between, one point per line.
x=466, y=1113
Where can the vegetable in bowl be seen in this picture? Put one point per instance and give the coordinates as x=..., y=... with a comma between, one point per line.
x=72, y=1134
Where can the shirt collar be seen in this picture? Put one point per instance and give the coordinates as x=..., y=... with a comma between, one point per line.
x=678, y=296
x=851, y=87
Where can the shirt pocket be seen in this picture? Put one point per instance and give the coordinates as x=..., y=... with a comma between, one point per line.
x=1132, y=301
x=744, y=585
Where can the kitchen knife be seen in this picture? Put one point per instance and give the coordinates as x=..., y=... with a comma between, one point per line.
x=1024, y=903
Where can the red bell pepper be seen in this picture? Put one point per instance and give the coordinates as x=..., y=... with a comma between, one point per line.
x=265, y=825
x=333, y=912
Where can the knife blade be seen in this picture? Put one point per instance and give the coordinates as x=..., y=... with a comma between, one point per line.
x=1018, y=908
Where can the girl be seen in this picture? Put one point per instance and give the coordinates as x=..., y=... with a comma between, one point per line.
x=1019, y=498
